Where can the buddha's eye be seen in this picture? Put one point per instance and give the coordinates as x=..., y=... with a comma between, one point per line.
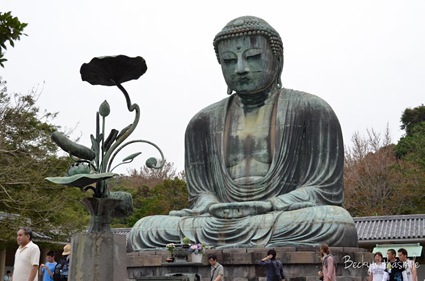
x=229, y=58
x=254, y=57
x=253, y=54
x=229, y=61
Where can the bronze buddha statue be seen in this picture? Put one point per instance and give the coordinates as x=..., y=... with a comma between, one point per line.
x=264, y=166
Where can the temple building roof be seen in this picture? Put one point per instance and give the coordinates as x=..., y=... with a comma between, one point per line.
x=400, y=228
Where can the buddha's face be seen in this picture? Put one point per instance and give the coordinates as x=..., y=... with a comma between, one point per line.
x=248, y=64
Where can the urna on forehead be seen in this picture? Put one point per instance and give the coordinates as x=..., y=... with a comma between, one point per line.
x=247, y=26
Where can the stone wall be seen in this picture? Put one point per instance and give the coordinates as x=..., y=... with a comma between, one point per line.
x=300, y=264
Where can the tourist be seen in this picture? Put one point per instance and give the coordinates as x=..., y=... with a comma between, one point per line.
x=217, y=270
x=273, y=266
x=394, y=266
x=27, y=257
x=328, y=272
x=47, y=269
x=64, y=264
x=409, y=274
x=377, y=269
x=8, y=276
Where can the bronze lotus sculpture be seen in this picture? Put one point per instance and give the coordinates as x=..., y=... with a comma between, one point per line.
x=92, y=166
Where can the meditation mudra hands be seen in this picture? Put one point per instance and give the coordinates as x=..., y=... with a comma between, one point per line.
x=228, y=210
x=239, y=209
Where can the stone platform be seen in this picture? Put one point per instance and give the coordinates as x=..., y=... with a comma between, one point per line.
x=299, y=263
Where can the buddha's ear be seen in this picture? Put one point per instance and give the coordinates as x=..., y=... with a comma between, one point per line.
x=279, y=82
x=279, y=74
x=229, y=91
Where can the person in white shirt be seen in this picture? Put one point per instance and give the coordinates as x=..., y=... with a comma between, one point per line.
x=377, y=269
x=27, y=257
x=409, y=274
x=8, y=276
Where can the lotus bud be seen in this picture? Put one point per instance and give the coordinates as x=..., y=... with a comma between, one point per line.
x=104, y=109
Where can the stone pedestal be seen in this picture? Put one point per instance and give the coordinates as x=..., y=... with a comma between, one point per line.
x=98, y=257
x=299, y=263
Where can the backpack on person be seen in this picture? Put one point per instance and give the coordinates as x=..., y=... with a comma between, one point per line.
x=325, y=263
x=65, y=269
x=57, y=272
x=61, y=270
x=325, y=260
x=278, y=270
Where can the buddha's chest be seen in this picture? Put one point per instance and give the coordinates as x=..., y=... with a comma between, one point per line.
x=247, y=141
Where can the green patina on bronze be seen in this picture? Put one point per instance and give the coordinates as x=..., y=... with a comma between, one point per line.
x=264, y=167
x=93, y=166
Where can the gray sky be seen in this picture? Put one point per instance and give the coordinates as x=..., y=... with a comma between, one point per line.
x=365, y=58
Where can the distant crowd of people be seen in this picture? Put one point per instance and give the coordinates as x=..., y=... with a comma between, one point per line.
x=397, y=267
x=394, y=269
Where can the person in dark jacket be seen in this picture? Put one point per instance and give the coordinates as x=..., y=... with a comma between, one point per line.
x=273, y=266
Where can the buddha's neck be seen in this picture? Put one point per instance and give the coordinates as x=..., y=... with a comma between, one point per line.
x=252, y=101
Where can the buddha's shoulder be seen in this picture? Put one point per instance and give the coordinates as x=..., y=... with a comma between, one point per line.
x=301, y=97
x=211, y=110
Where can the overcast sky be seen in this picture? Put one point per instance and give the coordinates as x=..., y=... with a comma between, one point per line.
x=365, y=58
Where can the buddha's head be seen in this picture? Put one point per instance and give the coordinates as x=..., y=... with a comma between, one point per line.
x=250, y=52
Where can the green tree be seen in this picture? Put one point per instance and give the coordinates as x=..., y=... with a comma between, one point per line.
x=27, y=157
x=154, y=192
x=152, y=177
x=170, y=195
x=411, y=118
x=411, y=147
x=11, y=30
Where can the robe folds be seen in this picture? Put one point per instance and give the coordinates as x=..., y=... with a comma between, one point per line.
x=304, y=183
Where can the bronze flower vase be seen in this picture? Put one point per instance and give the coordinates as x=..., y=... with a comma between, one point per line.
x=181, y=253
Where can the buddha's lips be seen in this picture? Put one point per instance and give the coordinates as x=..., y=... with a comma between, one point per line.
x=243, y=79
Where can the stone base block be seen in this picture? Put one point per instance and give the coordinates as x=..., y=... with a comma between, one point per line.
x=98, y=257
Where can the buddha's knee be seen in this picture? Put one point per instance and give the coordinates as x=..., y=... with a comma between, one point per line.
x=318, y=214
x=157, y=223
x=314, y=224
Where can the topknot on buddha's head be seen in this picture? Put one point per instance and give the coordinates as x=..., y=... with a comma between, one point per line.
x=250, y=26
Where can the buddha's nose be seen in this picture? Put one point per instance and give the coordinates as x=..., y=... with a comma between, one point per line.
x=242, y=67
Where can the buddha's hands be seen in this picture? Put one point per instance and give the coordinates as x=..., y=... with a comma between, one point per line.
x=188, y=212
x=240, y=209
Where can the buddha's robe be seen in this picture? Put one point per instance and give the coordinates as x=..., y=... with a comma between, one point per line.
x=304, y=183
